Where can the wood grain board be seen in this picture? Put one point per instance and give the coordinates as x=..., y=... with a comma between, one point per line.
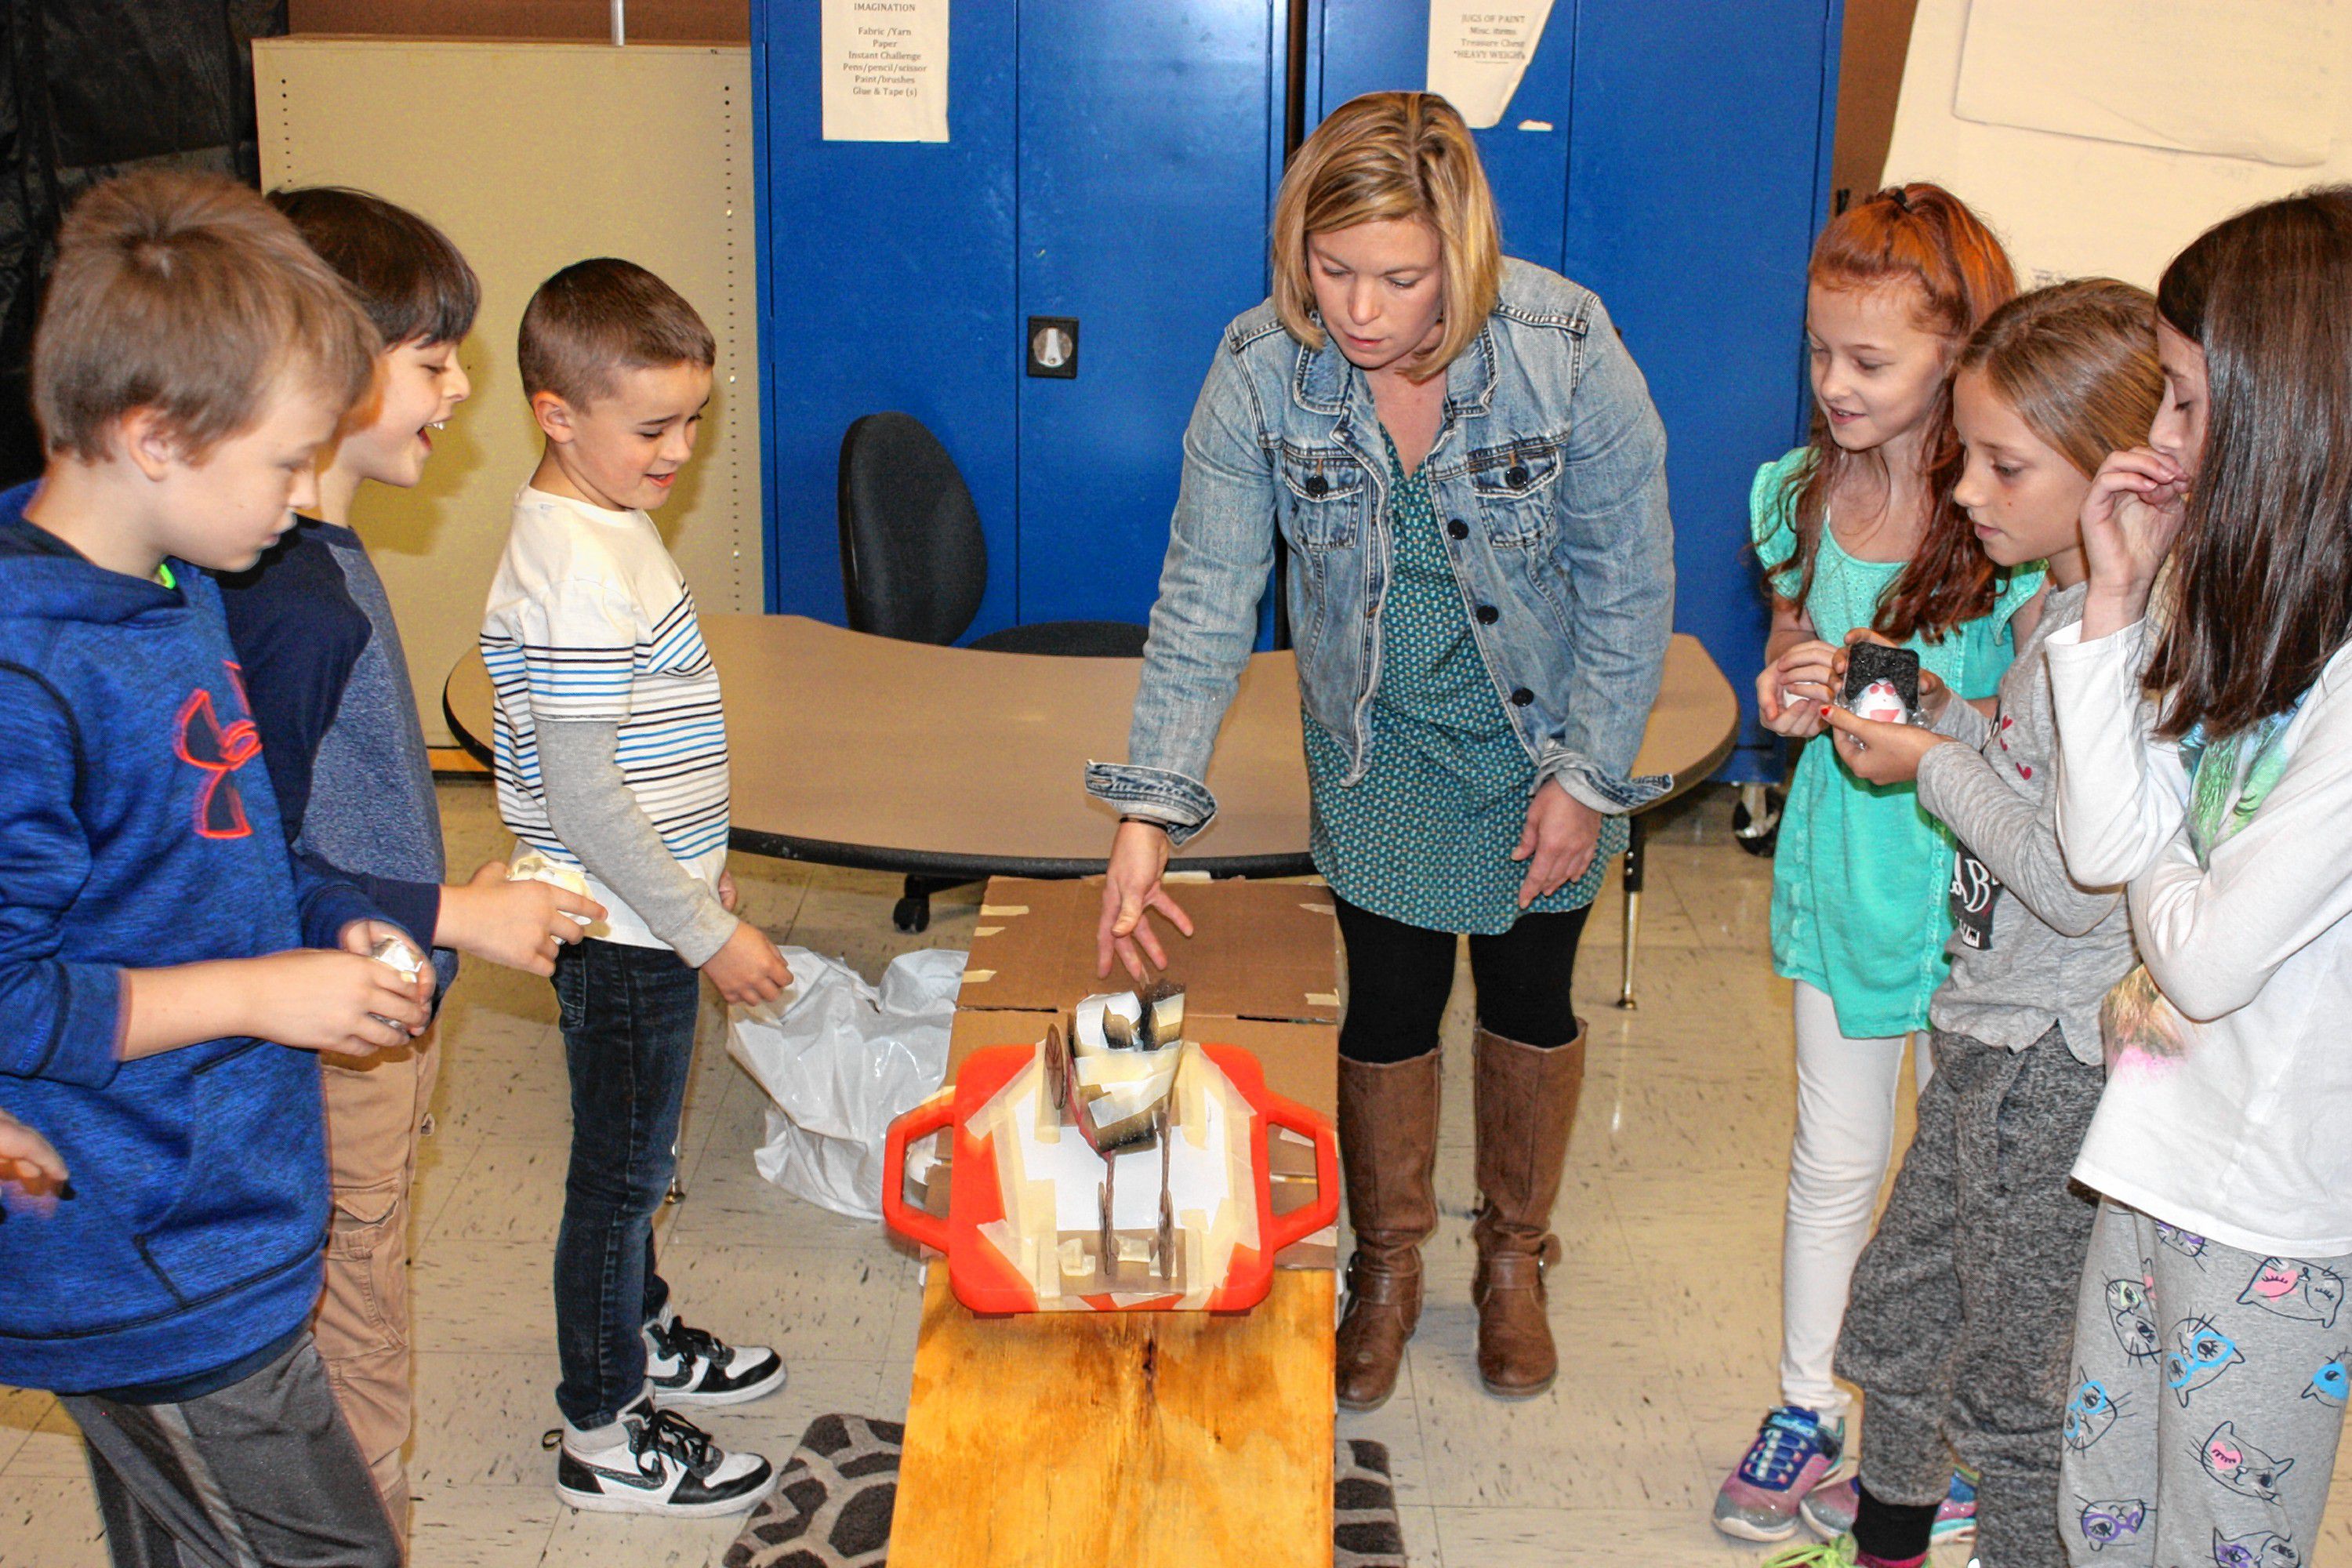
x=1120, y=1439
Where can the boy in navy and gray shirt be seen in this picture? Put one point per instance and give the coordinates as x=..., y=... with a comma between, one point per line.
x=165, y=1024
x=329, y=685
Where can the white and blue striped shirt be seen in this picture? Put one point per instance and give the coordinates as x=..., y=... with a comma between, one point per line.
x=589, y=619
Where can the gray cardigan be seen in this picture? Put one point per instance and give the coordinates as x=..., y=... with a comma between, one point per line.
x=2055, y=947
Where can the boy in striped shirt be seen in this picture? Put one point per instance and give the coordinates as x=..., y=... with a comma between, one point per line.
x=611, y=757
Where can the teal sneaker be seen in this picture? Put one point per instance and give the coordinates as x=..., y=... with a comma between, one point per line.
x=1794, y=1451
x=1828, y=1509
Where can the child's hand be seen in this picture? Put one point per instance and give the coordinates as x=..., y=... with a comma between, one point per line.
x=2130, y=519
x=26, y=1157
x=749, y=970
x=1793, y=689
x=1933, y=692
x=1881, y=753
x=727, y=894
x=519, y=922
x=343, y=1004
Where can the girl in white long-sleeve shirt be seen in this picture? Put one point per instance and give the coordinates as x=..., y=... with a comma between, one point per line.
x=2208, y=763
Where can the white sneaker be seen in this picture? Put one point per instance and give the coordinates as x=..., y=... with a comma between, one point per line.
x=666, y=1465
x=690, y=1367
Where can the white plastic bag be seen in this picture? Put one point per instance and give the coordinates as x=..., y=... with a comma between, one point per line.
x=842, y=1060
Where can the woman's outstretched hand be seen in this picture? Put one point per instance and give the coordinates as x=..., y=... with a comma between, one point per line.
x=2130, y=520
x=1557, y=842
x=1131, y=887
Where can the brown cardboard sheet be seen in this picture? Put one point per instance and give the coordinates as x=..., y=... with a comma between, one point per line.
x=1259, y=949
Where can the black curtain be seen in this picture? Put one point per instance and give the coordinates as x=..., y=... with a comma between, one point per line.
x=91, y=88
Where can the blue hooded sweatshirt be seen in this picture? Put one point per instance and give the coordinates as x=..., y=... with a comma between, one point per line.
x=137, y=832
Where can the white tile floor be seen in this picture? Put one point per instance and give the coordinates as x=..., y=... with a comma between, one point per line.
x=1665, y=1309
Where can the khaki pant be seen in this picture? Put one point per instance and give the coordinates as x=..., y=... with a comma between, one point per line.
x=375, y=1107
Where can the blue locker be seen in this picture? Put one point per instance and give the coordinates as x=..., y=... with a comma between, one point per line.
x=1144, y=189
x=1110, y=161
x=886, y=280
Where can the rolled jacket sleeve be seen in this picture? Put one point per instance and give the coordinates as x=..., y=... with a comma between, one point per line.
x=1617, y=544
x=1220, y=558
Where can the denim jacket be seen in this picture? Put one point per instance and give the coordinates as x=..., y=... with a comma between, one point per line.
x=1549, y=471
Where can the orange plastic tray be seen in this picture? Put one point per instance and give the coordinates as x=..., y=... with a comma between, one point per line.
x=981, y=1275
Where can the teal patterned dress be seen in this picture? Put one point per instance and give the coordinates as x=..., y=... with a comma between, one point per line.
x=1425, y=836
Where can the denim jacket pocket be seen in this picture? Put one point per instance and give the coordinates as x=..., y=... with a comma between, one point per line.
x=1323, y=494
x=1517, y=486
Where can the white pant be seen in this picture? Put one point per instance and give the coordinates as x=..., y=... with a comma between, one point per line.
x=1846, y=1131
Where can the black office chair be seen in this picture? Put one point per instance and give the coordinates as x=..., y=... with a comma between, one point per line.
x=914, y=566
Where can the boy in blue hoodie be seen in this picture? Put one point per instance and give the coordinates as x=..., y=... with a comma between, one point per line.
x=165, y=1018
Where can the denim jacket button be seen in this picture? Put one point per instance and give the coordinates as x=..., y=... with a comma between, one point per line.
x=1515, y=475
x=1457, y=529
x=1316, y=485
x=1522, y=697
x=1488, y=615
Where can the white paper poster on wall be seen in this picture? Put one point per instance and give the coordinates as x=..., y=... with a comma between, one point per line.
x=1478, y=50
x=886, y=71
x=2241, y=79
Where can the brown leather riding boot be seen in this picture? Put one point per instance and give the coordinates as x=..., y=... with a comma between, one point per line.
x=1388, y=1148
x=1526, y=1104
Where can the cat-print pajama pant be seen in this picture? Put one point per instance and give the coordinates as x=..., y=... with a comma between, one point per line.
x=2209, y=1390
x=1964, y=1300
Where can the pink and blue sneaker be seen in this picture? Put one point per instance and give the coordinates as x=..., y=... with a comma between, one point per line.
x=1794, y=1452
x=1828, y=1509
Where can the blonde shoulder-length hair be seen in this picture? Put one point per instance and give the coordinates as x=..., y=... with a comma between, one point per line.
x=1390, y=156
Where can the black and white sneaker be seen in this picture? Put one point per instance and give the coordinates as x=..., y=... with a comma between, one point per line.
x=688, y=1366
x=666, y=1465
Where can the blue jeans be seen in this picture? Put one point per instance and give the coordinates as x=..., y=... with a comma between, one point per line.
x=628, y=1040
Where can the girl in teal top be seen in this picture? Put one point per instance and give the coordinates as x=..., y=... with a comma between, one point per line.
x=1860, y=875
x=1858, y=536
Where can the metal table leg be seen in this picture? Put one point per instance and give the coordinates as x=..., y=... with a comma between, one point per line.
x=1636, y=833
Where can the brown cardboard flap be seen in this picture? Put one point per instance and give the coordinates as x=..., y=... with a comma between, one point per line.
x=1259, y=949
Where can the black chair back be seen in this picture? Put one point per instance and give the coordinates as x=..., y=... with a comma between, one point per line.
x=913, y=562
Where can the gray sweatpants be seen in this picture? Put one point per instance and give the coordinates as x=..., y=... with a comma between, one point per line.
x=263, y=1474
x=2208, y=1396
x=1962, y=1309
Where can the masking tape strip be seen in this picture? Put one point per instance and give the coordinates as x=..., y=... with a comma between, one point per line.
x=1184, y=877
x=976, y=977
x=1320, y=909
x=1314, y=998
x=986, y=931
x=995, y=912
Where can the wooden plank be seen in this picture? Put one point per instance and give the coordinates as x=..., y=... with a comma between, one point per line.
x=1120, y=1439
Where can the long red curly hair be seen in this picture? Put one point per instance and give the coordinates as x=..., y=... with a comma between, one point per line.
x=1921, y=237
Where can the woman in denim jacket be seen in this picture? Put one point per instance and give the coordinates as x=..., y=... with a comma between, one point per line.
x=1468, y=469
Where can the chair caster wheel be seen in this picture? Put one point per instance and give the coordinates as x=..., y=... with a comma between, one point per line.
x=1756, y=819
x=912, y=914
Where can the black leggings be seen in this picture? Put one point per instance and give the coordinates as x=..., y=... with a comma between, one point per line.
x=1400, y=976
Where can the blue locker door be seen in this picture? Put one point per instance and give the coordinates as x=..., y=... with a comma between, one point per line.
x=1697, y=175
x=1377, y=46
x=1144, y=157
x=886, y=281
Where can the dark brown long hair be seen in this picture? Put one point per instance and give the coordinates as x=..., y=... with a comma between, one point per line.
x=2262, y=594
x=1924, y=238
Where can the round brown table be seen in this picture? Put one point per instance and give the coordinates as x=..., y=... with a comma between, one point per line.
x=952, y=764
